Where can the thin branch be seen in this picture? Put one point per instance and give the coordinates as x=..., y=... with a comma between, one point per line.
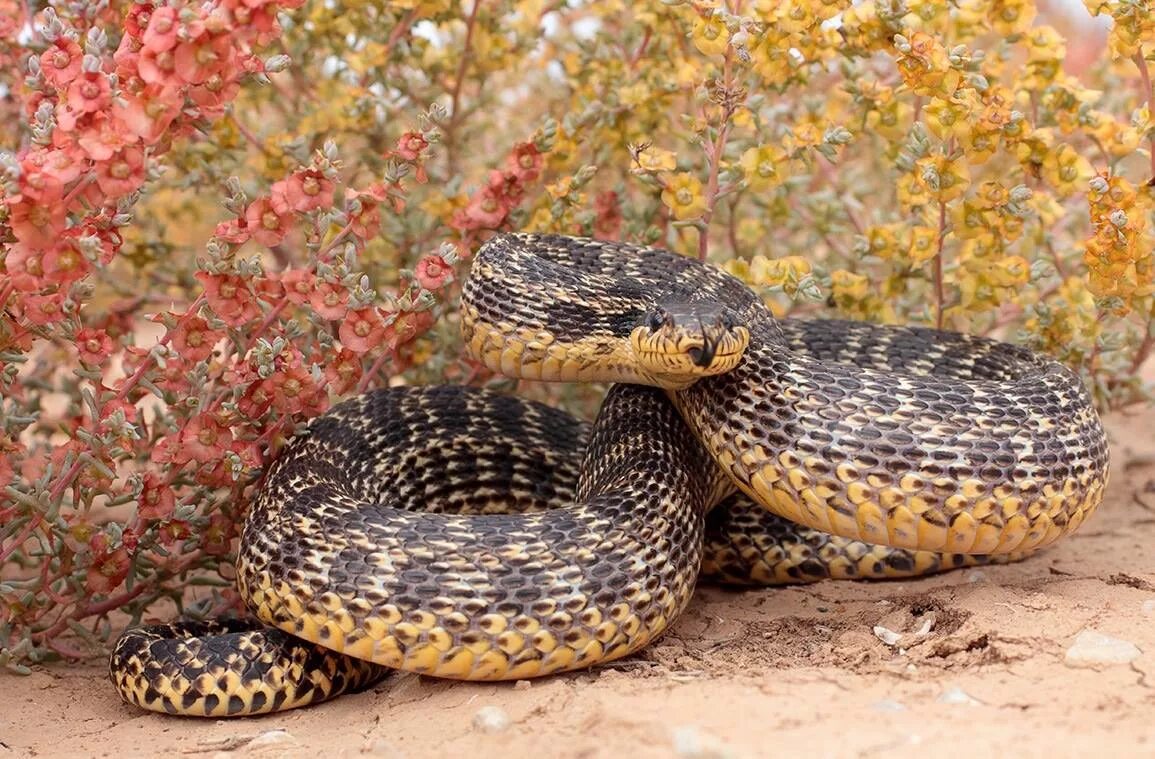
x=450, y=138
x=939, y=289
x=1145, y=76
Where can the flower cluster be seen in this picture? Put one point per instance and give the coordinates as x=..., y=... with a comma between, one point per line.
x=218, y=217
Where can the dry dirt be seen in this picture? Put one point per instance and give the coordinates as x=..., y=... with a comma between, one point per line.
x=981, y=669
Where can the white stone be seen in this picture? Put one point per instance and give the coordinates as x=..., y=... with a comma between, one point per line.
x=957, y=695
x=491, y=719
x=1091, y=647
x=888, y=705
x=887, y=636
x=692, y=743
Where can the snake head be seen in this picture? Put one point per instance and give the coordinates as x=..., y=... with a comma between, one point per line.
x=677, y=343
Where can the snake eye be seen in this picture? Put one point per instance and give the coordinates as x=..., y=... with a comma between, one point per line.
x=657, y=319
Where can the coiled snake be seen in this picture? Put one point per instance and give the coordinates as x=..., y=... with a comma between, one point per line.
x=464, y=534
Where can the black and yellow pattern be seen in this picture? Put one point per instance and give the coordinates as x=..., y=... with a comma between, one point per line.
x=460, y=533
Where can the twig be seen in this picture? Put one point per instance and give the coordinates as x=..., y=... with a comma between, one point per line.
x=1145, y=76
x=939, y=290
x=714, y=157
x=463, y=59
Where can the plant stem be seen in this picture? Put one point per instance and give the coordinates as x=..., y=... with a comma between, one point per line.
x=939, y=289
x=463, y=59
x=1145, y=77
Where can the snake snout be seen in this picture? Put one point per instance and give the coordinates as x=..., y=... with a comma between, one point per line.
x=704, y=355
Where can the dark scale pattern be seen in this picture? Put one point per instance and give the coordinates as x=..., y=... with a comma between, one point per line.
x=464, y=534
x=486, y=595
x=229, y=667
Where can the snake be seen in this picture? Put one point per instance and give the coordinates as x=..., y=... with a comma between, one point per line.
x=464, y=533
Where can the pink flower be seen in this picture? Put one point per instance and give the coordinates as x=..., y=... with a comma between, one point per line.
x=35, y=223
x=138, y=18
x=94, y=346
x=330, y=300
x=406, y=327
x=103, y=136
x=148, y=113
x=266, y=225
x=362, y=329
x=235, y=230
x=157, y=499
x=40, y=179
x=160, y=35
x=410, y=146
x=194, y=340
x=157, y=67
x=298, y=284
x=304, y=190
x=63, y=263
x=485, y=211
x=294, y=390
x=44, y=309
x=25, y=264
x=212, y=96
x=217, y=537
x=230, y=297
x=525, y=161
x=195, y=61
x=343, y=371
x=433, y=272
x=122, y=173
x=108, y=568
x=89, y=92
x=60, y=63
x=204, y=439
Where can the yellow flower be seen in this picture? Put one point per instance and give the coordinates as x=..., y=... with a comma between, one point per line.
x=1009, y=17
x=657, y=159
x=771, y=57
x=926, y=67
x=952, y=117
x=762, y=167
x=849, y=286
x=882, y=240
x=980, y=146
x=890, y=119
x=711, y=36
x=912, y=194
x=943, y=178
x=1066, y=170
x=923, y=244
x=768, y=272
x=683, y=196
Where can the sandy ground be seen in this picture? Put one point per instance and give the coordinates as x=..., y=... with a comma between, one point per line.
x=985, y=663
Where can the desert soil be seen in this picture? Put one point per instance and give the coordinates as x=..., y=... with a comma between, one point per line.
x=1003, y=660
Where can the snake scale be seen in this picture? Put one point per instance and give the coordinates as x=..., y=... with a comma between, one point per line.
x=466, y=534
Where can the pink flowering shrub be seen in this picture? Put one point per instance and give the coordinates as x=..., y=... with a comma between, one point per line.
x=219, y=217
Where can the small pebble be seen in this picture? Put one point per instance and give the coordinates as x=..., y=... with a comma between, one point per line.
x=1092, y=647
x=380, y=747
x=522, y=685
x=272, y=738
x=957, y=695
x=491, y=719
x=1149, y=606
x=887, y=636
x=692, y=743
x=888, y=705
x=976, y=575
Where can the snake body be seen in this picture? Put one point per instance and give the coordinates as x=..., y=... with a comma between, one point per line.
x=465, y=534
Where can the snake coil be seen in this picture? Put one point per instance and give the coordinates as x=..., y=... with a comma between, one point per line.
x=465, y=534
